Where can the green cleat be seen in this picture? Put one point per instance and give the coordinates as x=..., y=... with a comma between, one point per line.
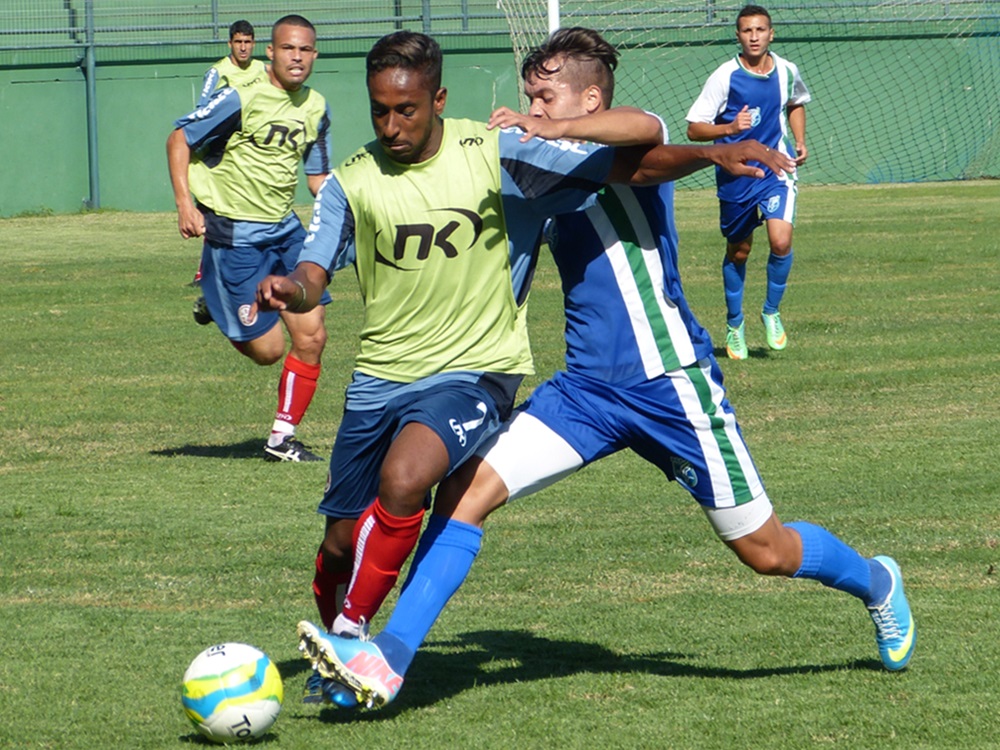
x=736, y=342
x=774, y=331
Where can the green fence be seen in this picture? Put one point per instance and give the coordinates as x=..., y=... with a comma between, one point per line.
x=902, y=91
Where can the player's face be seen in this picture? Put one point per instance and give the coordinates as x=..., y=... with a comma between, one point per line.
x=292, y=52
x=406, y=114
x=552, y=97
x=241, y=49
x=754, y=33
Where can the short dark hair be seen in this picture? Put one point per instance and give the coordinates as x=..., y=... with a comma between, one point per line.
x=292, y=20
x=594, y=58
x=753, y=10
x=241, y=27
x=409, y=50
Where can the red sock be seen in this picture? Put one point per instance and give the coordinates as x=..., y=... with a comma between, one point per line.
x=382, y=542
x=296, y=389
x=329, y=587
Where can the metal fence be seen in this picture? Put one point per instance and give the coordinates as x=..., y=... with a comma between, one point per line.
x=48, y=33
x=133, y=30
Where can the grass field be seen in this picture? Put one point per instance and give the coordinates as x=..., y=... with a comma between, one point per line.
x=138, y=524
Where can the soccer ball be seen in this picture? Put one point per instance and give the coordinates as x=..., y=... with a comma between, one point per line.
x=232, y=692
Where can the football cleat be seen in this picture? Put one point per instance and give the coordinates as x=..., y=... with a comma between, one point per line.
x=358, y=664
x=774, y=332
x=895, y=630
x=200, y=312
x=736, y=342
x=321, y=690
x=290, y=449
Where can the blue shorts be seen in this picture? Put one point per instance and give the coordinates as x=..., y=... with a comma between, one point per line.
x=739, y=220
x=231, y=270
x=680, y=422
x=463, y=408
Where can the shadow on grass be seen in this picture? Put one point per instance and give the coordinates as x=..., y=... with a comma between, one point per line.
x=200, y=740
x=247, y=449
x=494, y=657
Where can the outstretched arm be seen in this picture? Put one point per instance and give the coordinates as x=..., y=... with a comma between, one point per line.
x=649, y=166
x=620, y=126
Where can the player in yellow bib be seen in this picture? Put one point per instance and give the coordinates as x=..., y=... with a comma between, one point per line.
x=238, y=68
x=465, y=320
x=239, y=156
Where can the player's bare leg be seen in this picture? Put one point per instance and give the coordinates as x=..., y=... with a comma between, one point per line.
x=804, y=550
x=388, y=531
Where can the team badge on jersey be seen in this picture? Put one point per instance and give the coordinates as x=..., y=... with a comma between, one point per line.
x=755, y=117
x=248, y=316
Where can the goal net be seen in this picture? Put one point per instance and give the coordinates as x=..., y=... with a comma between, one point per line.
x=902, y=90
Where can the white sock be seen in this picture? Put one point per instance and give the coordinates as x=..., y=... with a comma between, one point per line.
x=280, y=432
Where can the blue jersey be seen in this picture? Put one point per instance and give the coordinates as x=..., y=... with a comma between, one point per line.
x=768, y=96
x=627, y=320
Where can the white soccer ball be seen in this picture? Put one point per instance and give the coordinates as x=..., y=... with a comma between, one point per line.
x=232, y=693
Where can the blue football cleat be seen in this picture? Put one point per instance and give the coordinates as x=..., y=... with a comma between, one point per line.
x=895, y=629
x=319, y=689
x=358, y=664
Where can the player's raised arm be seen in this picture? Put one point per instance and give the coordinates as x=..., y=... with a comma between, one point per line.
x=620, y=126
x=639, y=166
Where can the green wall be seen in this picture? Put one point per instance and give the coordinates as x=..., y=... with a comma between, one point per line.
x=43, y=125
x=896, y=119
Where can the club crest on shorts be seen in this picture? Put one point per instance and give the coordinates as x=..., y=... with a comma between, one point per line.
x=248, y=316
x=684, y=472
x=773, y=203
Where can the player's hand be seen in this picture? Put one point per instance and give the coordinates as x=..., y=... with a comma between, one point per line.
x=278, y=293
x=533, y=127
x=743, y=120
x=801, y=153
x=190, y=222
x=734, y=158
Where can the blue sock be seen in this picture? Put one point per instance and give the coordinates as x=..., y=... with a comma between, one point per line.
x=733, y=277
x=778, y=268
x=831, y=562
x=443, y=559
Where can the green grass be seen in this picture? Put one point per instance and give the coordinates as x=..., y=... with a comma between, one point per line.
x=138, y=524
